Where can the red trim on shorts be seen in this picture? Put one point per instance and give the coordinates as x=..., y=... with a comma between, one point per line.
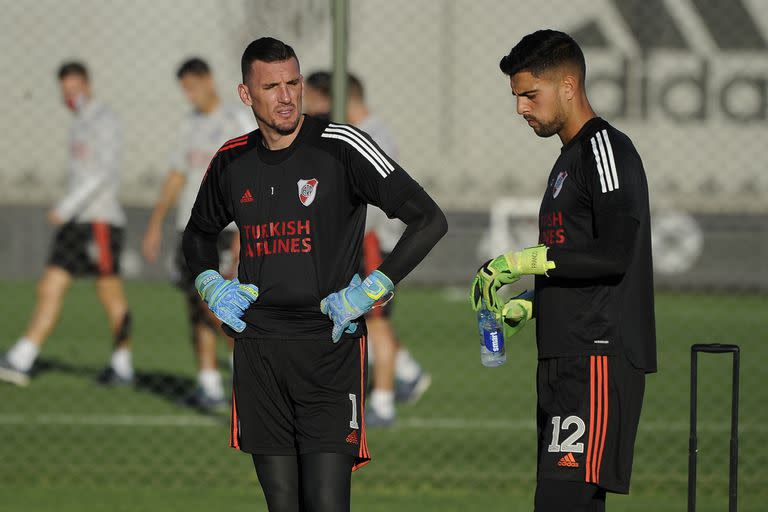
x=591, y=417
x=363, y=452
x=598, y=416
x=605, y=415
x=234, y=431
x=101, y=237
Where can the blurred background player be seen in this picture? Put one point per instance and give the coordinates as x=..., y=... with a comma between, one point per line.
x=89, y=235
x=397, y=375
x=203, y=131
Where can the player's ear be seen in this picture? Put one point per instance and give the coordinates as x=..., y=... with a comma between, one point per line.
x=570, y=85
x=245, y=95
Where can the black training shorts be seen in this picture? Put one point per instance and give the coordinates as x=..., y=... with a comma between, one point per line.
x=588, y=413
x=295, y=397
x=87, y=249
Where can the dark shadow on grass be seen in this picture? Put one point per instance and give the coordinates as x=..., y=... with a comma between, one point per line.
x=177, y=389
x=44, y=365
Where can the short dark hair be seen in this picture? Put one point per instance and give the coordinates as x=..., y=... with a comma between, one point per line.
x=542, y=51
x=72, y=67
x=193, y=66
x=265, y=49
x=355, y=86
x=322, y=80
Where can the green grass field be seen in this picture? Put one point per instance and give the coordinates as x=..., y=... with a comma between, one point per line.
x=67, y=444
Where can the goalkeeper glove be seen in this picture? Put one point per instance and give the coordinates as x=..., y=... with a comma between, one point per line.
x=516, y=313
x=507, y=269
x=354, y=301
x=227, y=299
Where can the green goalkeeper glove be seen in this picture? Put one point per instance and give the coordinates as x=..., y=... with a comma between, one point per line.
x=516, y=313
x=507, y=269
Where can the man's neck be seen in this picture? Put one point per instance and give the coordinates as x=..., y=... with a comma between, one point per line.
x=274, y=140
x=212, y=105
x=575, y=124
x=357, y=113
x=82, y=104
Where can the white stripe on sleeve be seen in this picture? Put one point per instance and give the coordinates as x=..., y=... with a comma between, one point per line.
x=610, y=159
x=599, y=167
x=359, y=149
x=604, y=161
x=375, y=152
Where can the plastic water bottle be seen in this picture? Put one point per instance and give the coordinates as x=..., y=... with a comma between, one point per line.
x=492, y=352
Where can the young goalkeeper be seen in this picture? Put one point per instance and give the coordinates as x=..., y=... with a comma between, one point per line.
x=593, y=297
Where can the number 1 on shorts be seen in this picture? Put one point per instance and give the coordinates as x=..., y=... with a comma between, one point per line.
x=353, y=421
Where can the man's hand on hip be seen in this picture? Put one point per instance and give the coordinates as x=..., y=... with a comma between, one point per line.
x=352, y=302
x=227, y=299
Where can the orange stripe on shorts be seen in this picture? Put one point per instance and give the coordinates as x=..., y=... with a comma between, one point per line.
x=101, y=237
x=234, y=431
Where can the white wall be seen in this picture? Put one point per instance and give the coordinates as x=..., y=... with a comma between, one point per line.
x=431, y=71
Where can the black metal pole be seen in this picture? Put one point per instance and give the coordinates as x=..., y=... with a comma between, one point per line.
x=715, y=348
x=734, y=469
x=692, y=448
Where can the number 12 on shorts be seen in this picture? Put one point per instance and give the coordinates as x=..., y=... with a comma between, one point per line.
x=569, y=444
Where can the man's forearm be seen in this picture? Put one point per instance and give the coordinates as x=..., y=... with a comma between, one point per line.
x=168, y=196
x=426, y=225
x=607, y=256
x=199, y=248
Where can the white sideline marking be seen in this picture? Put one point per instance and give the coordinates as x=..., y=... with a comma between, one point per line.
x=111, y=420
x=173, y=420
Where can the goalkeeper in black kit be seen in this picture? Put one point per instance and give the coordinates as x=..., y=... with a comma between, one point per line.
x=593, y=297
x=297, y=188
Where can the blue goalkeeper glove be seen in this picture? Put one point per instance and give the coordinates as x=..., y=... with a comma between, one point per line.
x=354, y=301
x=227, y=299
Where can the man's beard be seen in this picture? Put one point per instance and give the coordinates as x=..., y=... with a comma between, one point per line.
x=279, y=129
x=547, y=130
x=551, y=128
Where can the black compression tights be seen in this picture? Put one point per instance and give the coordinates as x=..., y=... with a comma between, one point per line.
x=567, y=496
x=313, y=482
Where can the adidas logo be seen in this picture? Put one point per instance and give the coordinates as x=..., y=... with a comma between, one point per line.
x=568, y=461
x=247, y=196
x=352, y=437
x=653, y=76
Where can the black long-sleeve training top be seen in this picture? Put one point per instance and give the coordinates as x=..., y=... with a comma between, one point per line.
x=301, y=216
x=595, y=218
